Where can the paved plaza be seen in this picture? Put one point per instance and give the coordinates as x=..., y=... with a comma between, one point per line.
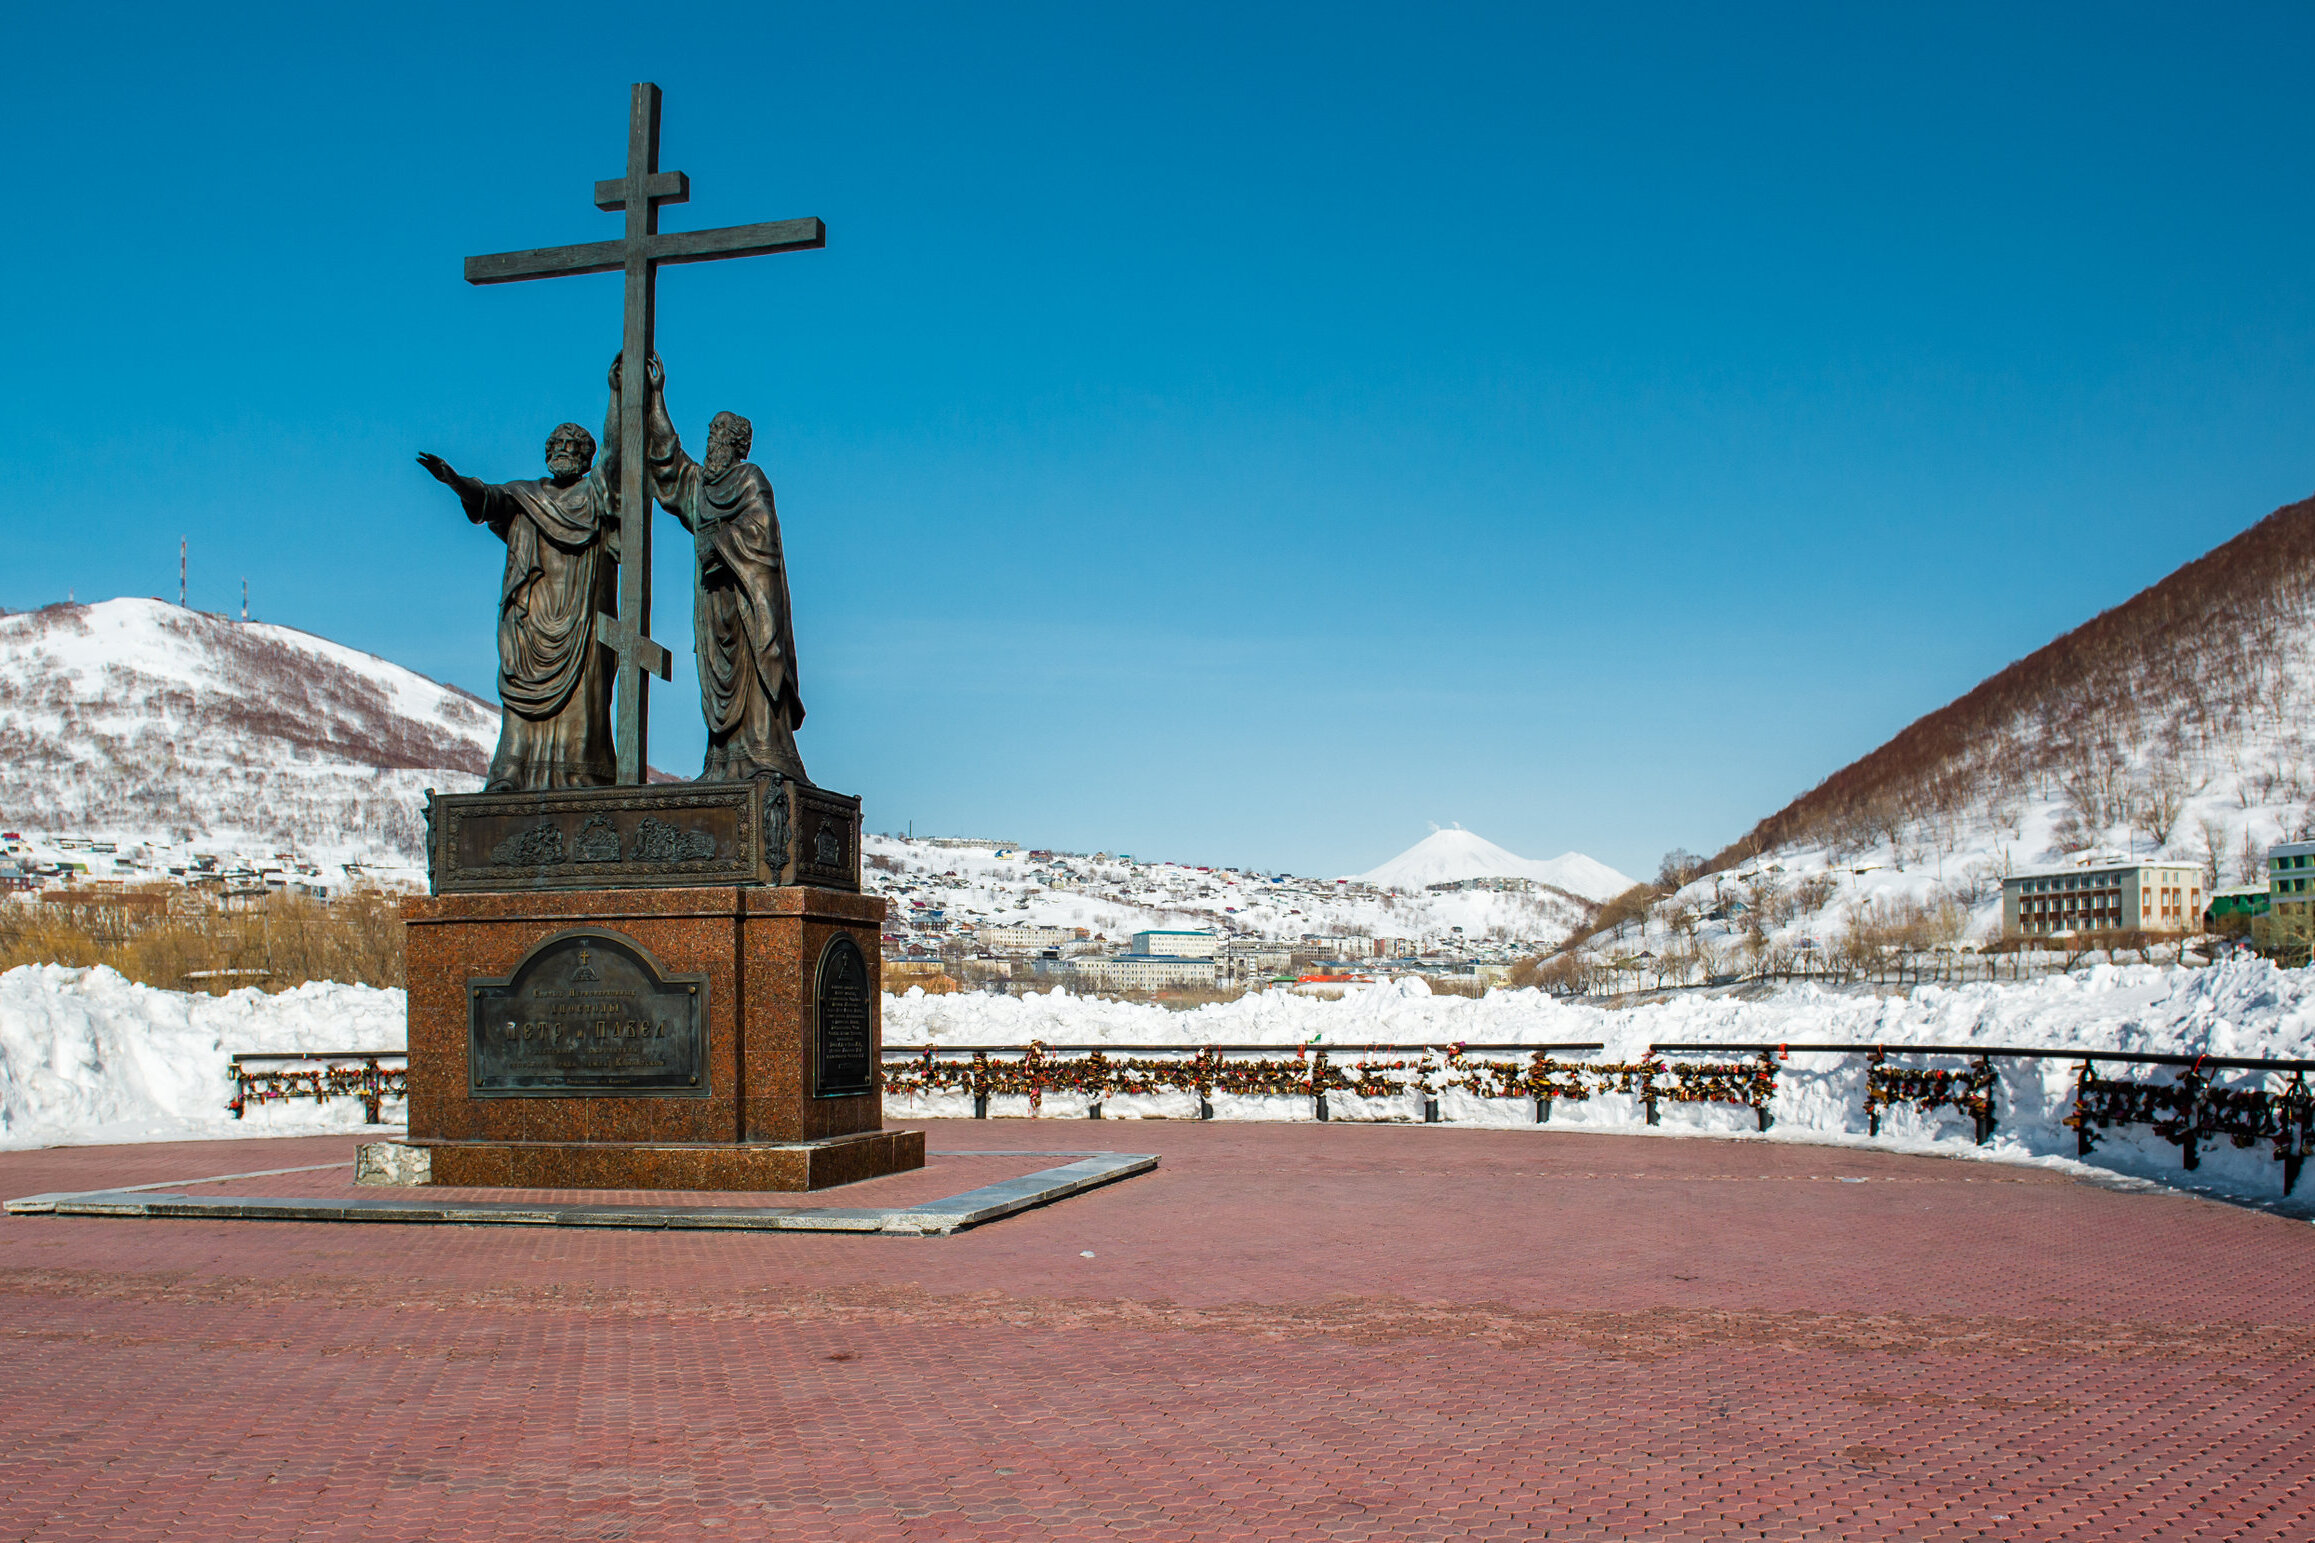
x=1284, y=1331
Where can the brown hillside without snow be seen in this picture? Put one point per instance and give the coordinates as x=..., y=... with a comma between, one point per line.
x=2136, y=696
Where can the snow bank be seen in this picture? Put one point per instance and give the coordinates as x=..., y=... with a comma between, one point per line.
x=87, y=1056
x=2245, y=1007
x=2241, y=1008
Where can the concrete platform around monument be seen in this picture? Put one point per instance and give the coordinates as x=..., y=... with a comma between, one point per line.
x=741, y=1165
x=994, y=1184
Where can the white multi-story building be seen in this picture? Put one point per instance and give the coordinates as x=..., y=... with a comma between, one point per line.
x=1144, y=972
x=1254, y=960
x=1177, y=945
x=1022, y=939
x=2109, y=897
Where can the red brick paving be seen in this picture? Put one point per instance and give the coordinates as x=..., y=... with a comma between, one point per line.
x=1285, y=1332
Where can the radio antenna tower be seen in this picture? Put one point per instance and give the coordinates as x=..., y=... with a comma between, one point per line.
x=245, y=599
x=180, y=572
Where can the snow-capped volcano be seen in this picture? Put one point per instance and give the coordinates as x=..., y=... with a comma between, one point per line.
x=1455, y=855
x=138, y=720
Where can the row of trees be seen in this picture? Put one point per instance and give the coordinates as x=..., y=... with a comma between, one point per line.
x=165, y=936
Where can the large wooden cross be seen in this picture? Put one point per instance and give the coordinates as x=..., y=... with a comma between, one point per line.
x=638, y=254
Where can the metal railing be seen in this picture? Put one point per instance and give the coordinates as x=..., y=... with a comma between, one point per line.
x=270, y=1077
x=2191, y=1112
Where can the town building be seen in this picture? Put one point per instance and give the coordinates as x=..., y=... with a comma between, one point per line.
x=2290, y=868
x=1177, y=945
x=1144, y=972
x=2108, y=897
x=2239, y=906
x=1254, y=959
x=1022, y=938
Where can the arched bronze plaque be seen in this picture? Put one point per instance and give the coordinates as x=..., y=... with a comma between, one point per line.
x=844, y=1058
x=588, y=1012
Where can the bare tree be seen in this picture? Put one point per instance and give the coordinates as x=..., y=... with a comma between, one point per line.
x=2213, y=831
x=2157, y=801
x=1679, y=868
x=2250, y=862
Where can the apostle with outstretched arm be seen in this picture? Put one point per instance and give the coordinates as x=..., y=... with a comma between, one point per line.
x=562, y=569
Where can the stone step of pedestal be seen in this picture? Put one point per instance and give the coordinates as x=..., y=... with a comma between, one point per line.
x=735, y=1165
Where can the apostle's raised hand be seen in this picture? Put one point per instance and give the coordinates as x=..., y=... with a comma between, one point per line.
x=439, y=469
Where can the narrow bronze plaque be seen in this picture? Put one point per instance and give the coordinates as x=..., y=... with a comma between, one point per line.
x=767, y=831
x=845, y=1061
x=588, y=1013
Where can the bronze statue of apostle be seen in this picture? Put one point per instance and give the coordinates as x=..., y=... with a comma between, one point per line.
x=741, y=622
x=562, y=569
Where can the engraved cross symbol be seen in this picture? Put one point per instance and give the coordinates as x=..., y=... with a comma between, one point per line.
x=638, y=254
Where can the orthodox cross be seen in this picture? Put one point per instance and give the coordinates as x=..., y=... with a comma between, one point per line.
x=638, y=254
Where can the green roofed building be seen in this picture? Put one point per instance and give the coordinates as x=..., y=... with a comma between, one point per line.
x=2244, y=900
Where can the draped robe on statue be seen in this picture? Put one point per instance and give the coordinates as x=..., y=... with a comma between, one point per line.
x=741, y=623
x=562, y=567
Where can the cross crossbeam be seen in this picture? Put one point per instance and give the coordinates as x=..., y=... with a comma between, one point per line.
x=688, y=246
x=638, y=254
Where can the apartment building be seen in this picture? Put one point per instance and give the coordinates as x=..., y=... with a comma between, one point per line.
x=1177, y=945
x=2290, y=871
x=2109, y=897
x=1143, y=972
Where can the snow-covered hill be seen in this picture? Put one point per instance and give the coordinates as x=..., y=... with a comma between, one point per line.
x=165, y=732
x=135, y=721
x=940, y=888
x=2179, y=724
x=1455, y=856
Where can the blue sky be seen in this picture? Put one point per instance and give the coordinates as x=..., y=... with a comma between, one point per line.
x=1236, y=434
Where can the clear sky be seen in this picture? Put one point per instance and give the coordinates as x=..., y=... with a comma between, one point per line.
x=1233, y=433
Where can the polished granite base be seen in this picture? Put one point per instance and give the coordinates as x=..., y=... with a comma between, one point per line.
x=739, y=1165
x=761, y=1077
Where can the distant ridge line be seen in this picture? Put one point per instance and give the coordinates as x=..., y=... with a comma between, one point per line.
x=2191, y=648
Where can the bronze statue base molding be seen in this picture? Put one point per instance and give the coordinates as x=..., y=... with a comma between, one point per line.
x=677, y=835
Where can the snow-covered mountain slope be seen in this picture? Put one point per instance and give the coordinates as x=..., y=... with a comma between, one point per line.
x=2179, y=724
x=1455, y=855
x=936, y=888
x=139, y=721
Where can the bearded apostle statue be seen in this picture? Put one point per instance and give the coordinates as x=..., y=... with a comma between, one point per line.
x=742, y=625
x=562, y=570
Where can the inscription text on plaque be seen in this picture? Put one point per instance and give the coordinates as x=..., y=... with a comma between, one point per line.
x=588, y=1012
x=844, y=1063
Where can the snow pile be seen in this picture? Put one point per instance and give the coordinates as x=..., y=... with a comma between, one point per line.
x=88, y=1057
x=1455, y=855
x=2241, y=1008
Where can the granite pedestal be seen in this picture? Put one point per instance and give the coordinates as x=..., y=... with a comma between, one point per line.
x=714, y=1037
